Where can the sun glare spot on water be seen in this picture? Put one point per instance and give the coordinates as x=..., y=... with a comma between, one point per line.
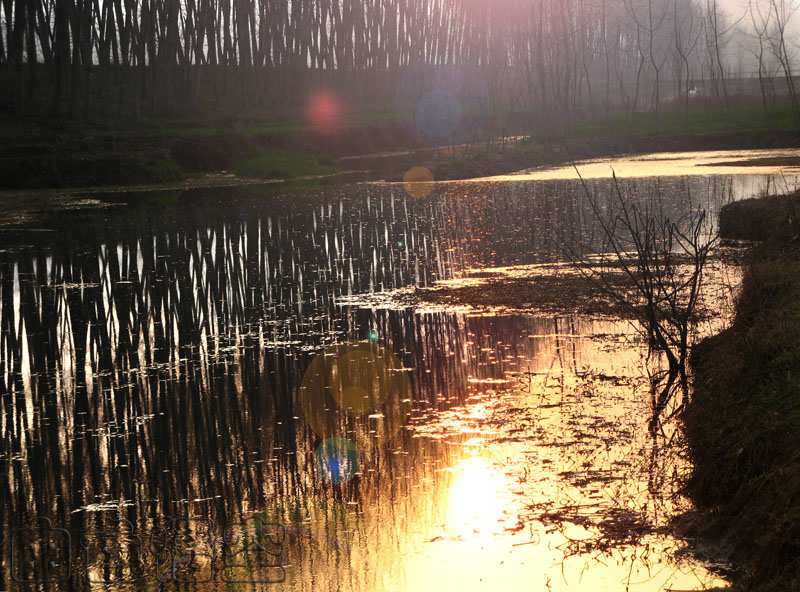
x=475, y=501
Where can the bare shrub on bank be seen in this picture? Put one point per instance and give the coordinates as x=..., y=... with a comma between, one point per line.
x=662, y=260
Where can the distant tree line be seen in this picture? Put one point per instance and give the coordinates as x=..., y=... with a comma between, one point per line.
x=551, y=58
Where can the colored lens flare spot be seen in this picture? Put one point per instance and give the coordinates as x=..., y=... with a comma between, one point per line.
x=356, y=388
x=359, y=381
x=448, y=78
x=337, y=460
x=418, y=181
x=323, y=108
x=438, y=113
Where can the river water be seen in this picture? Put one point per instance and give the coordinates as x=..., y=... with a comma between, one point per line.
x=217, y=389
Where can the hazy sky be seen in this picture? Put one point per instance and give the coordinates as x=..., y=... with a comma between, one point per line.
x=736, y=8
x=742, y=60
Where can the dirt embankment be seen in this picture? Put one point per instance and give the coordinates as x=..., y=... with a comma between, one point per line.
x=552, y=152
x=743, y=424
x=68, y=157
x=73, y=158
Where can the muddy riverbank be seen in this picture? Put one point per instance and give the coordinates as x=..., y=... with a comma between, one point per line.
x=380, y=150
x=743, y=424
x=543, y=153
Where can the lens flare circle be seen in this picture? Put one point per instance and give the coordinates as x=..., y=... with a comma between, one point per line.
x=324, y=109
x=360, y=380
x=337, y=460
x=418, y=181
x=355, y=387
x=448, y=77
x=438, y=113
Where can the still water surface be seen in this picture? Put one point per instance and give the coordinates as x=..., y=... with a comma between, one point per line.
x=216, y=389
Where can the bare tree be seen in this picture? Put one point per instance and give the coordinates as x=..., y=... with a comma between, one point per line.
x=717, y=30
x=686, y=34
x=760, y=25
x=662, y=262
x=545, y=55
x=781, y=14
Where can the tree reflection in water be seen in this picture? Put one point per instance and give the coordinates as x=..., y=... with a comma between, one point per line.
x=152, y=354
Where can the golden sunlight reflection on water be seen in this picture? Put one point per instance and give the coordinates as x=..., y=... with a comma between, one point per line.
x=669, y=164
x=475, y=505
x=525, y=463
x=541, y=476
x=540, y=480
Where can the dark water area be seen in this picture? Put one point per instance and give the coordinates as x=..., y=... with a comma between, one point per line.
x=191, y=397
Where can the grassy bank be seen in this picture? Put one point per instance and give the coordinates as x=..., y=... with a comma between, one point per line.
x=484, y=161
x=39, y=154
x=54, y=153
x=694, y=121
x=699, y=128
x=274, y=163
x=743, y=425
x=75, y=169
